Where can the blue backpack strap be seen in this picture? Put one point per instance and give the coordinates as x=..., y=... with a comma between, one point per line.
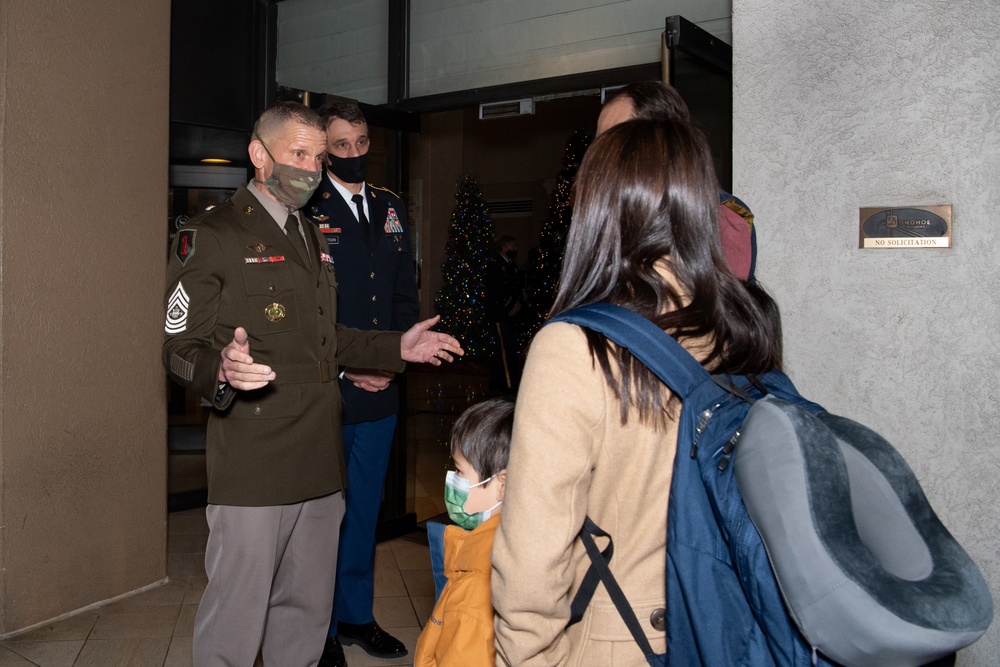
x=647, y=342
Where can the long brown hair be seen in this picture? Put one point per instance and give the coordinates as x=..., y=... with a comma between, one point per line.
x=646, y=196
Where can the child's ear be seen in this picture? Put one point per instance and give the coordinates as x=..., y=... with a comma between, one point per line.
x=502, y=476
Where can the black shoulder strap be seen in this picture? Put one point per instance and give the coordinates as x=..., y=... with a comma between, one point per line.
x=599, y=571
x=590, y=580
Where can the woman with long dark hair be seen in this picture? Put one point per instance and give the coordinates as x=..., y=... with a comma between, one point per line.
x=594, y=431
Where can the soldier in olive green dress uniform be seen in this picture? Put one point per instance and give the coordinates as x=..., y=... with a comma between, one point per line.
x=251, y=326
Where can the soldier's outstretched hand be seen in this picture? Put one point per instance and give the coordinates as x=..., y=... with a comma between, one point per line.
x=238, y=368
x=422, y=345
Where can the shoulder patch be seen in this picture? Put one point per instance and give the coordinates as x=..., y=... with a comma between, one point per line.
x=185, y=244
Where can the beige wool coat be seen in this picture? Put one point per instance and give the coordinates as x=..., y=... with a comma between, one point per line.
x=571, y=457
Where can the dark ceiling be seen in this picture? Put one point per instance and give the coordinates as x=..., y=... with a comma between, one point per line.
x=216, y=60
x=190, y=143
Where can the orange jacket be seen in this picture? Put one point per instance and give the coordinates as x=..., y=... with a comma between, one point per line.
x=460, y=630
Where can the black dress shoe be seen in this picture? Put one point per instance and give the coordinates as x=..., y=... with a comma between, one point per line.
x=333, y=654
x=373, y=639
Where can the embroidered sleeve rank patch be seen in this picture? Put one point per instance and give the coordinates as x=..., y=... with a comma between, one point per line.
x=185, y=244
x=392, y=225
x=177, y=311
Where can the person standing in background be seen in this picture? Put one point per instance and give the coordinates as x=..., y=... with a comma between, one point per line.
x=503, y=298
x=653, y=100
x=366, y=232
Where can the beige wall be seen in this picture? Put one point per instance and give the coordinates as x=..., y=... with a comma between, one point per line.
x=83, y=178
x=849, y=104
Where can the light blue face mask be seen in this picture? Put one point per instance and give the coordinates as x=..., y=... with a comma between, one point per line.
x=456, y=494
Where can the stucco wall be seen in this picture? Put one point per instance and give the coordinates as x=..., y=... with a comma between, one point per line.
x=847, y=104
x=83, y=175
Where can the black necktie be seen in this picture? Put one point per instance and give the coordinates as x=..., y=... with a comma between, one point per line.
x=359, y=203
x=295, y=237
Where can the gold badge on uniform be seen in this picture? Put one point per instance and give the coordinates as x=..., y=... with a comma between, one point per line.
x=275, y=312
x=258, y=248
x=248, y=210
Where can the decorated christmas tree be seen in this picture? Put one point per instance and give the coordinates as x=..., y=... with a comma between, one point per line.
x=461, y=301
x=545, y=261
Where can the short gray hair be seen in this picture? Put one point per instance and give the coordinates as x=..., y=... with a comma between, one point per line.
x=274, y=119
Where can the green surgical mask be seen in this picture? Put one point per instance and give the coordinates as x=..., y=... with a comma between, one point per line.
x=456, y=494
x=291, y=186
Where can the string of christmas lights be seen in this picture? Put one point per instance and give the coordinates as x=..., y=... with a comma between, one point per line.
x=461, y=301
x=545, y=261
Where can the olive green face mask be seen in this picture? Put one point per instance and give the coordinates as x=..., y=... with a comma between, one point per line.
x=456, y=494
x=291, y=186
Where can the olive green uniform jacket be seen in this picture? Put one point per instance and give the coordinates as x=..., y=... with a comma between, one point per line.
x=234, y=267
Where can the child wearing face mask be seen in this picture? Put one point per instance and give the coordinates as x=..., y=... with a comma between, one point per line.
x=460, y=629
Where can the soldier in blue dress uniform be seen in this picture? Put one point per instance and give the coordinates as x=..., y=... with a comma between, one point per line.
x=366, y=230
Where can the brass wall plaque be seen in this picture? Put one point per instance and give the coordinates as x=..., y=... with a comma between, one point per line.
x=906, y=227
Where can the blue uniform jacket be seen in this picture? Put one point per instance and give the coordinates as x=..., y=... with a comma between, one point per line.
x=376, y=287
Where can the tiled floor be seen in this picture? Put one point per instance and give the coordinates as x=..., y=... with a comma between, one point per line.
x=154, y=628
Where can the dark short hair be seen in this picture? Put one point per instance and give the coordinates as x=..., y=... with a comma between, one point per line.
x=274, y=118
x=482, y=435
x=348, y=111
x=505, y=239
x=653, y=100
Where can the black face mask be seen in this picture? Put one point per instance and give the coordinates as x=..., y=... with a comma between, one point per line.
x=349, y=169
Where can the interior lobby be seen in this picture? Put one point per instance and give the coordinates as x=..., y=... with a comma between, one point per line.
x=834, y=108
